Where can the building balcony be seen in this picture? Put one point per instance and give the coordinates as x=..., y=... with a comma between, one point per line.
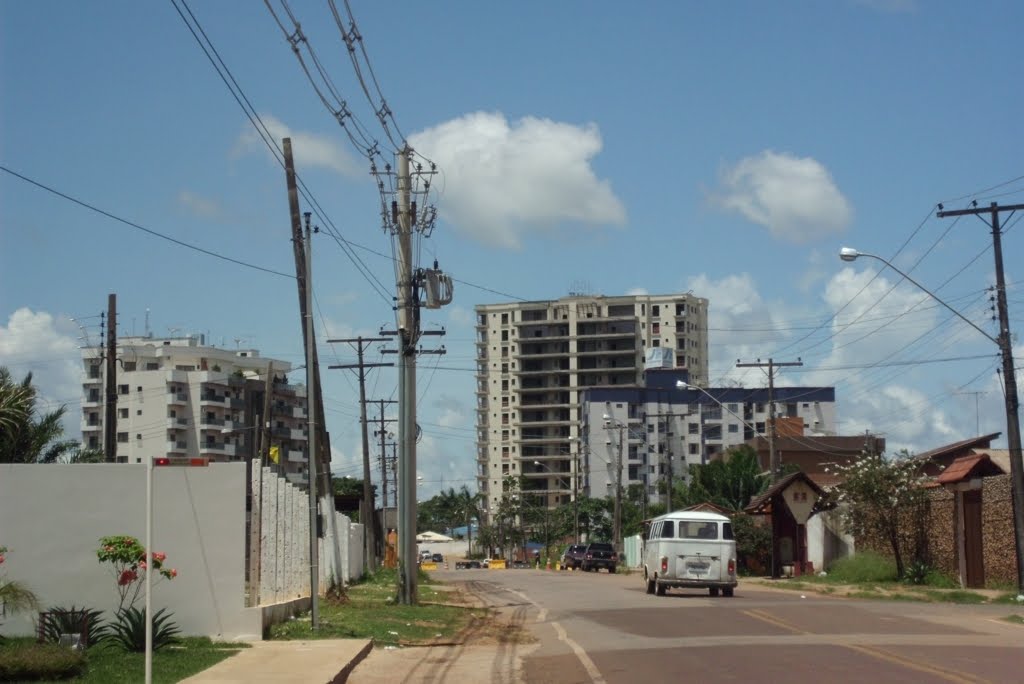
x=91, y=426
x=92, y=382
x=215, y=424
x=300, y=412
x=177, y=423
x=213, y=400
x=176, y=376
x=607, y=334
x=295, y=456
x=177, y=399
x=542, y=372
x=176, y=447
x=216, y=449
x=217, y=378
x=91, y=402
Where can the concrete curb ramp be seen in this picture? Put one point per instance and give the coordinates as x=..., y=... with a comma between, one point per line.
x=321, y=660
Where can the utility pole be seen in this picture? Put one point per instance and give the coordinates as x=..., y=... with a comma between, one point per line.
x=311, y=383
x=359, y=343
x=110, y=406
x=1009, y=376
x=773, y=457
x=977, y=410
x=382, y=432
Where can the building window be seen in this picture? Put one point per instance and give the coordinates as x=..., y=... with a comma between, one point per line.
x=122, y=413
x=734, y=407
x=122, y=389
x=656, y=343
x=504, y=319
x=94, y=442
x=129, y=366
x=655, y=310
x=139, y=412
x=504, y=369
x=152, y=365
x=94, y=371
x=122, y=437
x=694, y=428
x=504, y=335
x=759, y=427
x=693, y=449
x=504, y=435
x=733, y=427
x=138, y=436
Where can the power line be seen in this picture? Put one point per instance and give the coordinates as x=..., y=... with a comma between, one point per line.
x=132, y=224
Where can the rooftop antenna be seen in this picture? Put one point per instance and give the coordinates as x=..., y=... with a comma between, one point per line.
x=149, y=333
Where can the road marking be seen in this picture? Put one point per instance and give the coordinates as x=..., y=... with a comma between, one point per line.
x=772, y=620
x=943, y=673
x=581, y=654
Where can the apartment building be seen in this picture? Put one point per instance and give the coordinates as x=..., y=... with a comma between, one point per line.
x=659, y=429
x=179, y=398
x=535, y=360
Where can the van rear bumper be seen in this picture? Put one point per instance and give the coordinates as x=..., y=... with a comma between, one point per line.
x=697, y=583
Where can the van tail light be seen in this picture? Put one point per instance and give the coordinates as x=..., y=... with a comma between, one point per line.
x=590, y=556
x=615, y=556
x=732, y=566
x=664, y=564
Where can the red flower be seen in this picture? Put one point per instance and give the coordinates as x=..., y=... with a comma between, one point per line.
x=159, y=557
x=127, y=577
x=173, y=573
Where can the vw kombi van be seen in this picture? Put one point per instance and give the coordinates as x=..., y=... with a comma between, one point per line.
x=691, y=550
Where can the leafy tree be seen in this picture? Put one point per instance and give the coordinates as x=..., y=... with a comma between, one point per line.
x=883, y=499
x=26, y=435
x=730, y=483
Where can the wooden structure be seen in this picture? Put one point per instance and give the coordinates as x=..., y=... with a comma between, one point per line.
x=790, y=502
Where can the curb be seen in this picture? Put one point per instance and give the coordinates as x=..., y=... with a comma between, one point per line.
x=342, y=676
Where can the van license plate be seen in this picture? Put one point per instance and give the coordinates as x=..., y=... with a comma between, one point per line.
x=698, y=568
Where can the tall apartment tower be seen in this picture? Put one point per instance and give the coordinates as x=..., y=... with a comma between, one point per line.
x=179, y=398
x=534, y=359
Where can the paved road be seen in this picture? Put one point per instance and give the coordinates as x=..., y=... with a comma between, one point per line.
x=604, y=628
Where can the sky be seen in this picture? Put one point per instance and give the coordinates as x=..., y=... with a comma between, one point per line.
x=729, y=149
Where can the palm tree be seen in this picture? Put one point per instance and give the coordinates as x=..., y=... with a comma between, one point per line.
x=467, y=504
x=26, y=436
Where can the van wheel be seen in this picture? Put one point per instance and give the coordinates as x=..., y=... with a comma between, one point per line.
x=611, y=571
x=713, y=591
x=650, y=586
x=659, y=588
x=727, y=591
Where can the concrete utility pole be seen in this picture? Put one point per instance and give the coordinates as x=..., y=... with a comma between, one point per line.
x=1009, y=377
x=773, y=459
x=311, y=383
x=382, y=432
x=359, y=343
x=110, y=405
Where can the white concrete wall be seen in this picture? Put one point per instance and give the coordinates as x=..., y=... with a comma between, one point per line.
x=52, y=517
x=826, y=541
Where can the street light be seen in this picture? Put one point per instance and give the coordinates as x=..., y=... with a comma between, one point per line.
x=686, y=386
x=610, y=422
x=1011, y=401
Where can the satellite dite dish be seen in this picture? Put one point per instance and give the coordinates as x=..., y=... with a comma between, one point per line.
x=419, y=433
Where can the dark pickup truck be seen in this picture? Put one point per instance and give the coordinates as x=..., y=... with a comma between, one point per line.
x=600, y=555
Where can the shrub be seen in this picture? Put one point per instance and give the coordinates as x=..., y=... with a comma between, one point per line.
x=25, y=660
x=917, y=572
x=753, y=543
x=74, y=620
x=129, y=630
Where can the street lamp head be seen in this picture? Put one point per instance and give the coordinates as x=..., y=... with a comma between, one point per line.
x=606, y=417
x=680, y=384
x=848, y=254
x=537, y=463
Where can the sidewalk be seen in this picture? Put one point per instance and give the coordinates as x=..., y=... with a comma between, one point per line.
x=313, y=662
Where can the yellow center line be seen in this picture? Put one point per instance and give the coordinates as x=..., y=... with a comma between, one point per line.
x=772, y=620
x=943, y=673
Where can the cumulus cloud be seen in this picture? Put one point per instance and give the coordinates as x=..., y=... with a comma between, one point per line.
x=795, y=198
x=47, y=346
x=202, y=207
x=741, y=324
x=505, y=179
x=311, y=150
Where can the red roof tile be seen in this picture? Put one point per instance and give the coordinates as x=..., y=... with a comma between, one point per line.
x=965, y=467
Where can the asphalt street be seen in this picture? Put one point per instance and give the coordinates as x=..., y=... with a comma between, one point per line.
x=591, y=627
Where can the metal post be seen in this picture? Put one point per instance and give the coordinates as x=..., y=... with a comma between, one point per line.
x=149, y=571
x=617, y=534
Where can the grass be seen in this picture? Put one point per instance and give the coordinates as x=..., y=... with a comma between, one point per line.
x=370, y=612
x=1015, y=619
x=109, y=664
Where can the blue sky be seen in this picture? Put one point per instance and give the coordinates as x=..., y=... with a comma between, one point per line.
x=724, y=148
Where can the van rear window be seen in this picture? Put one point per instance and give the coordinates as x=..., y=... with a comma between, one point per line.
x=727, y=531
x=667, y=531
x=691, y=529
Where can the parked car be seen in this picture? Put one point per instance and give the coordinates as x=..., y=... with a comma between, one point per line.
x=473, y=564
x=486, y=563
x=572, y=557
x=599, y=555
x=437, y=558
x=425, y=554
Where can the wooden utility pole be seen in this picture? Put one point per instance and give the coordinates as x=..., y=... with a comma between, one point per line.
x=1004, y=341
x=110, y=405
x=773, y=457
x=359, y=343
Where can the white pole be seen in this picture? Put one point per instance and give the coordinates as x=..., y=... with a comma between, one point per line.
x=311, y=379
x=149, y=570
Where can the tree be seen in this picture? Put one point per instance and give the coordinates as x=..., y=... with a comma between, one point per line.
x=883, y=499
x=730, y=483
x=26, y=435
x=468, y=506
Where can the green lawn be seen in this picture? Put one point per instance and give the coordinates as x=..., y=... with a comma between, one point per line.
x=372, y=613
x=111, y=665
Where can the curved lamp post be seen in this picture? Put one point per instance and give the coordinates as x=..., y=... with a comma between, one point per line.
x=610, y=423
x=1012, y=405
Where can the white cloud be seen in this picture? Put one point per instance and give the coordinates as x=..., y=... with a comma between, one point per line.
x=309, y=149
x=47, y=346
x=637, y=292
x=200, y=206
x=794, y=198
x=741, y=325
x=502, y=180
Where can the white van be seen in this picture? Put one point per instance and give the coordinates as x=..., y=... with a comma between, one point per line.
x=690, y=549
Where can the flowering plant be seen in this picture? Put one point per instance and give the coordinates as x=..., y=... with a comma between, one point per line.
x=14, y=596
x=129, y=564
